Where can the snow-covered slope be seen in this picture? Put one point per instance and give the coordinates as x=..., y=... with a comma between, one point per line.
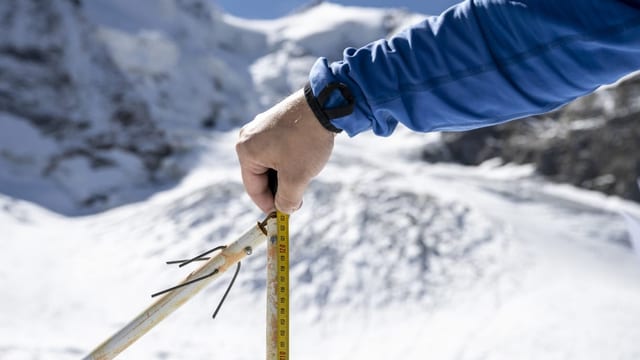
x=116, y=97
x=71, y=126
x=391, y=257
x=438, y=261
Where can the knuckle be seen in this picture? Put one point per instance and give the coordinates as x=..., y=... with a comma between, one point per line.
x=240, y=148
x=243, y=132
x=287, y=203
x=287, y=206
x=243, y=144
x=287, y=197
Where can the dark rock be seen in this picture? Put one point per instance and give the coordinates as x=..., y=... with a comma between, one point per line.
x=588, y=143
x=63, y=82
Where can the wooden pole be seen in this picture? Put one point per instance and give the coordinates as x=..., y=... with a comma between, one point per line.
x=167, y=304
x=278, y=290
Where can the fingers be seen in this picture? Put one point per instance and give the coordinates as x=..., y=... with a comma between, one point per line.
x=290, y=191
x=256, y=184
x=288, y=198
x=289, y=139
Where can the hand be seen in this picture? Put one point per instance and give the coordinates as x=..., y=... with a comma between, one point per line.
x=289, y=139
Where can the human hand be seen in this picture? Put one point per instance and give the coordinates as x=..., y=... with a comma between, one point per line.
x=289, y=139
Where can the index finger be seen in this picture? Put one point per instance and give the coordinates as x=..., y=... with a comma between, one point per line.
x=256, y=184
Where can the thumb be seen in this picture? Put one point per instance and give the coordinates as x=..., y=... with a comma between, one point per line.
x=288, y=198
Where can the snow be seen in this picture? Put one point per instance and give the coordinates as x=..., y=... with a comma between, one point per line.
x=523, y=269
x=633, y=225
x=391, y=257
x=152, y=52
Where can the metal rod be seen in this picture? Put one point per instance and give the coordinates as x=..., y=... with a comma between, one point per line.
x=173, y=262
x=226, y=292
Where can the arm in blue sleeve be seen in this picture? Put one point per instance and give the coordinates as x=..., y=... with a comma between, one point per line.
x=483, y=62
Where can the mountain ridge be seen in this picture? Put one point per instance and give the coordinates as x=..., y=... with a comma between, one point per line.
x=120, y=95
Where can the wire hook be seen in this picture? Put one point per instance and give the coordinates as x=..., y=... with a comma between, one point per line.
x=202, y=257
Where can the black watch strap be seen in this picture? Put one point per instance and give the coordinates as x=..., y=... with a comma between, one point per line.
x=326, y=115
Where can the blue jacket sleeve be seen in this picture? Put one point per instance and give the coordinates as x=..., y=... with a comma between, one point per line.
x=483, y=62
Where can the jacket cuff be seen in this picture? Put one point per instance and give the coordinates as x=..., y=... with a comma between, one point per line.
x=325, y=114
x=325, y=76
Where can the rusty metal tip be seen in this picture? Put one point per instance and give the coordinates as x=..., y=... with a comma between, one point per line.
x=262, y=225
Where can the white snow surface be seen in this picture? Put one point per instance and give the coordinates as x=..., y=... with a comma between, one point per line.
x=391, y=257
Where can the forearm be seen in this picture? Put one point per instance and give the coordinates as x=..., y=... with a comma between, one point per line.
x=486, y=62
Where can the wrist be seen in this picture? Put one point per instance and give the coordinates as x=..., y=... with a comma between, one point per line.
x=323, y=113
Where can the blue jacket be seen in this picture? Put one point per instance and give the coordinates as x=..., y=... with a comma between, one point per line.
x=483, y=62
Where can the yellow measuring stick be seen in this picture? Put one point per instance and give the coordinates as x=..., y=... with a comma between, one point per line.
x=283, y=286
x=278, y=290
x=278, y=282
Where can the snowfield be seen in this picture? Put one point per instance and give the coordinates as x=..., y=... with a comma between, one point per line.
x=391, y=257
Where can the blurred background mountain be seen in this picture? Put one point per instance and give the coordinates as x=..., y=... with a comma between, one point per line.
x=103, y=103
x=593, y=143
x=99, y=100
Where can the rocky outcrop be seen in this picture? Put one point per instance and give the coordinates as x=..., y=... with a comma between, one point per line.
x=57, y=78
x=592, y=143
